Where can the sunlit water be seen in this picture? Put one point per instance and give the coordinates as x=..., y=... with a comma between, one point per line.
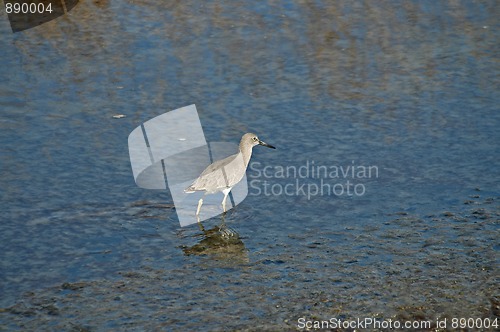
x=410, y=90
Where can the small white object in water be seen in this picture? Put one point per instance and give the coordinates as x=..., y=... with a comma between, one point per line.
x=119, y=116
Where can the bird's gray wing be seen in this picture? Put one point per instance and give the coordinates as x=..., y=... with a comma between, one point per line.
x=220, y=174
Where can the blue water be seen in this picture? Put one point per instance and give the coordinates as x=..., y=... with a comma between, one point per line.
x=410, y=88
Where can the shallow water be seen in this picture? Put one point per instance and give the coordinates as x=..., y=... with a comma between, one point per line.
x=409, y=89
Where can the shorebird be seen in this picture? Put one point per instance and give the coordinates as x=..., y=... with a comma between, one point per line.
x=223, y=175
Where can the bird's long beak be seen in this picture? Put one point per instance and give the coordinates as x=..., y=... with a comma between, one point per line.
x=265, y=144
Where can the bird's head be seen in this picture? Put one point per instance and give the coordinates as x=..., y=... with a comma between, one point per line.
x=253, y=140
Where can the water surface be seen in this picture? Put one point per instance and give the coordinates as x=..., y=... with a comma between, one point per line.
x=409, y=88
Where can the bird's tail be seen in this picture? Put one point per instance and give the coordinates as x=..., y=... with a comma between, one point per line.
x=189, y=190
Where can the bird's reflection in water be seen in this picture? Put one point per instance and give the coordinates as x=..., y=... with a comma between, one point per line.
x=221, y=242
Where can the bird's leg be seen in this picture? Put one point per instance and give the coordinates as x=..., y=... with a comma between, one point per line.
x=200, y=203
x=225, y=192
x=224, y=202
x=199, y=224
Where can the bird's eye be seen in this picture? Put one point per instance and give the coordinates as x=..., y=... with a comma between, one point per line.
x=255, y=139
